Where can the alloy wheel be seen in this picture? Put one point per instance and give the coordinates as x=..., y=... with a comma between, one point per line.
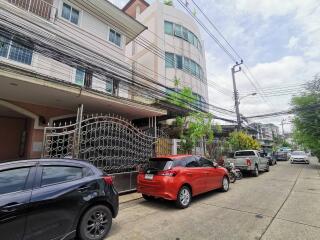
x=225, y=184
x=184, y=197
x=97, y=225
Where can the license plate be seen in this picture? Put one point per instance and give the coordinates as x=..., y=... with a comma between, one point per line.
x=148, y=176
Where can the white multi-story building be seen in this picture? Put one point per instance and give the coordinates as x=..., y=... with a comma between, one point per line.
x=178, y=49
x=56, y=55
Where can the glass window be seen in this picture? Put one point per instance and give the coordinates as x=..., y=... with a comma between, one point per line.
x=193, y=67
x=186, y=64
x=109, y=86
x=115, y=37
x=168, y=28
x=205, y=162
x=197, y=71
x=178, y=61
x=169, y=60
x=20, y=53
x=13, y=180
x=185, y=34
x=177, y=30
x=4, y=45
x=70, y=14
x=57, y=174
x=80, y=75
x=192, y=162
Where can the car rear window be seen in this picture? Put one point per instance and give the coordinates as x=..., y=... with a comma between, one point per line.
x=160, y=163
x=244, y=153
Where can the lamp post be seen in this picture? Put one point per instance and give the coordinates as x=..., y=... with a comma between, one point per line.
x=251, y=94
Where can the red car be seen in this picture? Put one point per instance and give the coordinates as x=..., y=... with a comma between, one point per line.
x=180, y=177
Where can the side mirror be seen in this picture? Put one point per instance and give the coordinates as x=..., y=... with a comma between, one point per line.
x=215, y=165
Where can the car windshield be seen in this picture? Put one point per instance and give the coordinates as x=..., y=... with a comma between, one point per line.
x=299, y=153
x=244, y=153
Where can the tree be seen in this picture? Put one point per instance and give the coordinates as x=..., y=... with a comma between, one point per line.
x=194, y=126
x=242, y=141
x=307, y=117
x=168, y=2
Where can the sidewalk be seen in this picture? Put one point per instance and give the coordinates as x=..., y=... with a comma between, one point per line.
x=129, y=197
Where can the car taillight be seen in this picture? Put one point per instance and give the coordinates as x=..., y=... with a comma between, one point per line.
x=249, y=162
x=169, y=173
x=108, y=180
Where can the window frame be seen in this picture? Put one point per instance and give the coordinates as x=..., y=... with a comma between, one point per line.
x=165, y=29
x=172, y=63
x=176, y=56
x=116, y=32
x=176, y=33
x=75, y=75
x=11, y=42
x=72, y=7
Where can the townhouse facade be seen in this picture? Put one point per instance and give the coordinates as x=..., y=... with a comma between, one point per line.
x=57, y=55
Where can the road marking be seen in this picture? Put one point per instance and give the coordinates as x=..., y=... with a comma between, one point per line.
x=285, y=200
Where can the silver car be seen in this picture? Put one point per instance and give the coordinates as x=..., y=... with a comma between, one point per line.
x=299, y=157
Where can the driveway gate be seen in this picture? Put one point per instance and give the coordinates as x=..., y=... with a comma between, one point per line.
x=109, y=142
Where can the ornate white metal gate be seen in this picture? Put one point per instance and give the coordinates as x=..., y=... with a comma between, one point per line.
x=109, y=142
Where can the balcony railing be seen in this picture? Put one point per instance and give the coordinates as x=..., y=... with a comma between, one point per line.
x=42, y=8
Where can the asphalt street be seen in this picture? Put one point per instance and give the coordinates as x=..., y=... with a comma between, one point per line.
x=281, y=204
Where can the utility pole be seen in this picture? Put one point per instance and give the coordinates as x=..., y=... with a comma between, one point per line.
x=235, y=92
x=282, y=123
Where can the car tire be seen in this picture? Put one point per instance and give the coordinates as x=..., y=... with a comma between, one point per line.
x=94, y=220
x=147, y=197
x=225, y=184
x=184, y=197
x=255, y=172
x=232, y=177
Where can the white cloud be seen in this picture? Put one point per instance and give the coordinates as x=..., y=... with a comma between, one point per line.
x=293, y=43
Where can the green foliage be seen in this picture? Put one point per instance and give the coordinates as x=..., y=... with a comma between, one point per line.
x=195, y=126
x=168, y=2
x=242, y=141
x=307, y=121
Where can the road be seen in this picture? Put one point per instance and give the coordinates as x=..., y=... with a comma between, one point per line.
x=281, y=204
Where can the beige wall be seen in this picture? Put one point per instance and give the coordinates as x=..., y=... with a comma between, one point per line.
x=153, y=17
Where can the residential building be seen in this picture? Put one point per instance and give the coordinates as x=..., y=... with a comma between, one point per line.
x=177, y=50
x=265, y=133
x=56, y=55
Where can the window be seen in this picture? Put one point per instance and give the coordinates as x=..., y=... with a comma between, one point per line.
x=169, y=60
x=185, y=34
x=191, y=38
x=193, y=67
x=177, y=30
x=186, y=64
x=205, y=162
x=13, y=180
x=58, y=174
x=168, y=28
x=115, y=37
x=192, y=162
x=178, y=61
x=197, y=71
x=80, y=76
x=70, y=14
x=109, y=86
x=11, y=48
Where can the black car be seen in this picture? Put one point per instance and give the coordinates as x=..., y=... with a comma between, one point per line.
x=55, y=199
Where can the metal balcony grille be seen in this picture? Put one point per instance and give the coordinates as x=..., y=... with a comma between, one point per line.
x=42, y=8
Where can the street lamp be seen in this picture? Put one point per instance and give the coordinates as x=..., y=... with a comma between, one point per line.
x=251, y=94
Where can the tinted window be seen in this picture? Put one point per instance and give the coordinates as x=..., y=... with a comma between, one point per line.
x=56, y=174
x=205, y=162
x=244, y=153
x=192, y=162
x=13, y=180
x=160, y=163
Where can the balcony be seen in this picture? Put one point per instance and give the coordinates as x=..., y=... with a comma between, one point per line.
x=42, y=8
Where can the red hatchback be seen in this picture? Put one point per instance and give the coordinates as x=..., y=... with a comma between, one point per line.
x=181, y=177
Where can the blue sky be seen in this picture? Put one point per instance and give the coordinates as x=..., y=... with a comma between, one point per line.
x=278, y=40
